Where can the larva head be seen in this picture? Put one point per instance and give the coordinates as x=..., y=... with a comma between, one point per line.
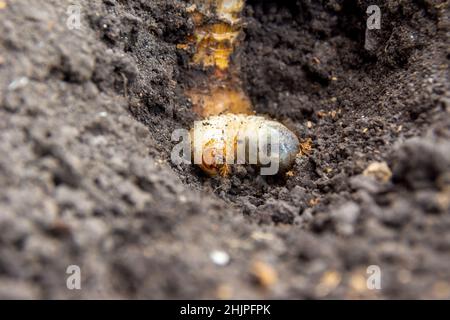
x=208, y=150
x=213, y=159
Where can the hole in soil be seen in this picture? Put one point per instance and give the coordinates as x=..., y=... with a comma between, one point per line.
x=314, y=68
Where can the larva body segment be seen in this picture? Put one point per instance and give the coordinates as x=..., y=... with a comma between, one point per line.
x=223, y=140
x=220, y=99
x=217, y=33
x=215, y=41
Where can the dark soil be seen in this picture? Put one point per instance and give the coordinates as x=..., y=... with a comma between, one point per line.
x=86, y=178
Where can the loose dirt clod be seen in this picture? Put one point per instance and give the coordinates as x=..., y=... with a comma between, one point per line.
x=264, y=274
x=328, y=282
x=378, y=170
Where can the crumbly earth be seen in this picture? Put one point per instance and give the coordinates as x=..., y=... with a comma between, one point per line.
x=86, y=178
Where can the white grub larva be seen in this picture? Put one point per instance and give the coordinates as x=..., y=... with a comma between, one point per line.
x=224, y=140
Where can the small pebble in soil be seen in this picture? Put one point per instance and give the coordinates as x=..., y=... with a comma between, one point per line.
x=264, y=274
x=220, y=258
x=378, y=170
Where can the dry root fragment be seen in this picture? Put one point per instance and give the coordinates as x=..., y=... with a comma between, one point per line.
x=290, y=173
x=306, y=146
x=313, y=202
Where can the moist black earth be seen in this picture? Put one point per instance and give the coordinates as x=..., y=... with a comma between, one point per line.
x=86, y=178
